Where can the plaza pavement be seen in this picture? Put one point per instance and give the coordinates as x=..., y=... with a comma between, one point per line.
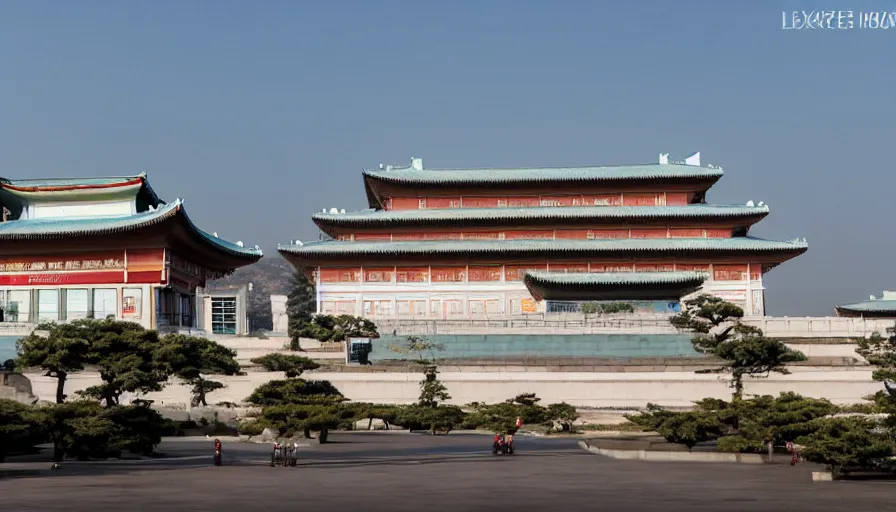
x=408, y=472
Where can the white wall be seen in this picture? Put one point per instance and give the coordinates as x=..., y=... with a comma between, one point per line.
x=617, y=389
x=59, y=210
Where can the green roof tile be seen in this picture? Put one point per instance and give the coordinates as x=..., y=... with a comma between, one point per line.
x=372, y=217
x=31, y=229
x=543, y=174
x=332, y=247
x=612, y=286
x=871, y=306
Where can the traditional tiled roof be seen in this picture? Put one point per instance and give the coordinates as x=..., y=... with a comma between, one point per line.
x=530, y=247
x=435, y=178
x=470, y=216
x=62, y=228
x=615, y=285
x=56, y=186
x=870, y=306
x=543, y=174
x=616, y=278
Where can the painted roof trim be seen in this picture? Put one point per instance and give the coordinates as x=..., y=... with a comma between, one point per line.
x=598, y=279
x=573, y=247
x=371, y=217
x=32, y=229
x=870, y=306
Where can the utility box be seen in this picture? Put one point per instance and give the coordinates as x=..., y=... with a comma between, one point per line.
x=357, y=350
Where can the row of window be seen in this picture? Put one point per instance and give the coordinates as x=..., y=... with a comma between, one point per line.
x=515, y=272
x=620, y=199
x=548, y=234
x=69, y=304
x=436, y=308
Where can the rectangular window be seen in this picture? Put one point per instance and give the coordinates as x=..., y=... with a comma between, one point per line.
x=338, y=307
x=484, y=274
x=75, y=304
x=105, y=303
x=47, y=305
x=224, y=315
x=379, y=275
x=718, y=233
x=131, y=303
x=756, y=272
x=448, y=274
x=729, y=272
x=412, y=275
x=516, y=272
x=676, y=198
x=409, y=308
x=378, y=308
x=686, y=233
x=18, y=306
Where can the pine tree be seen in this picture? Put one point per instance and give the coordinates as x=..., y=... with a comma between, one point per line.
x=301, y=304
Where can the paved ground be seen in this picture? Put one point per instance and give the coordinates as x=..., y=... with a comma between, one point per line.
x=403, y=472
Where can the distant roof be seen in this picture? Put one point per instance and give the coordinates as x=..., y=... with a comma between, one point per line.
x=537, y=175
x=475, y=216
x=612, y=286
x=37, y=187
x=870, y=306
x=573, y=248
x=56, y=228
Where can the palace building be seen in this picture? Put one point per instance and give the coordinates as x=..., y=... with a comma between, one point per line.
x=473, y=243
x=883, y=307
x=94, y=247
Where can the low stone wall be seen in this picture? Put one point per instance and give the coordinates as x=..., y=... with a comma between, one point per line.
x=673, y=456
x=567, y=323
x=582, y=389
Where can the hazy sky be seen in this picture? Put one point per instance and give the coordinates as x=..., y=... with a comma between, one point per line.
x=261, y=113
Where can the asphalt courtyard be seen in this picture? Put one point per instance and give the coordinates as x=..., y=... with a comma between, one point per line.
x=409, y=472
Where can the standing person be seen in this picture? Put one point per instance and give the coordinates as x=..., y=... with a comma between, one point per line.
x=217, y=452
x=295, y=452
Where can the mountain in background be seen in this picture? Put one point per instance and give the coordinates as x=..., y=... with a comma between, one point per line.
x=272, y=275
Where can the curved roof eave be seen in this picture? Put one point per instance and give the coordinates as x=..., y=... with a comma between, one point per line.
x=410, y=218
x=772, y=253
x=49, y=229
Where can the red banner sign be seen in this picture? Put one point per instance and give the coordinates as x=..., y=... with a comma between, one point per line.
x=103, y=261
x=62, y=278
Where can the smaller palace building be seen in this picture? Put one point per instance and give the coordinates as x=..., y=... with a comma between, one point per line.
x=95, y=247
x=884, y=307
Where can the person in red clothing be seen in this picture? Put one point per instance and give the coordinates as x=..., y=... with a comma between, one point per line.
x=217, y=452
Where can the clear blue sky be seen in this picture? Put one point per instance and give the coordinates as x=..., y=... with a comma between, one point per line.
x=261, y=113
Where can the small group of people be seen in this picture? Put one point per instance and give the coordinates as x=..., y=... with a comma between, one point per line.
x=291, y=450
x=502, y=443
